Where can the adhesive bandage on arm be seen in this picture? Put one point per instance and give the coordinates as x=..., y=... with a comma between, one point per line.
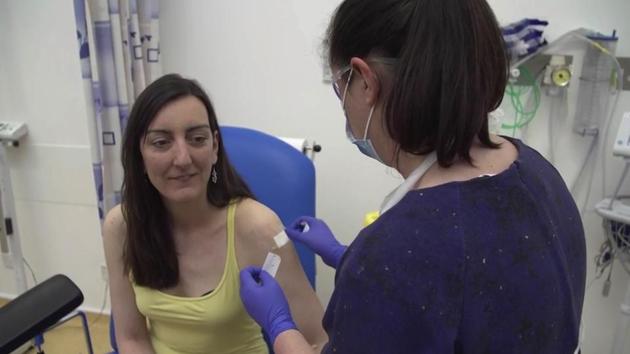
x=272, y=262
x=281, y=239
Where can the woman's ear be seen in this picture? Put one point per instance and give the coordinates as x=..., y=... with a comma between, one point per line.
x=370, y=83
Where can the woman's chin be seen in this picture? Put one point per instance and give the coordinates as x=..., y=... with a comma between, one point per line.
x=184, y=196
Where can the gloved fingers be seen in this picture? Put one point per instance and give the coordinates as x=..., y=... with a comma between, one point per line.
x=266, y=279
x=298, y=224
x=297, y=228
x=250, y=276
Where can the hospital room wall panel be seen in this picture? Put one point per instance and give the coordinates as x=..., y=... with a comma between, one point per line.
x=40, y=76
x=51, y=171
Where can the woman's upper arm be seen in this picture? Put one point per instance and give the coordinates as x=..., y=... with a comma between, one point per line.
x=257, y=226
x=130, y=325
x=306, y=309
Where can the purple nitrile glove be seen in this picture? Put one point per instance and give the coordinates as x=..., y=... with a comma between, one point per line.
x=315, y=234
x=265, y=302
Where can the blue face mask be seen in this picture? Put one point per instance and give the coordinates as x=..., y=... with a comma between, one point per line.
x=365, y=144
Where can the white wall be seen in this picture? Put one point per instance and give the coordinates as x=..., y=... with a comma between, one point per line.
x=260, y=62
x=40, y=84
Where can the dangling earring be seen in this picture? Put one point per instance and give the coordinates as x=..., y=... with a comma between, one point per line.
x=214, y=176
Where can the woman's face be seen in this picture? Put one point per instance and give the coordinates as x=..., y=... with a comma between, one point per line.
x=179, y=150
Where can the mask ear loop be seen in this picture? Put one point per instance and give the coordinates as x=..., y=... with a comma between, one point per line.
x=367, y=125
x=345, y=90
x=343, y=104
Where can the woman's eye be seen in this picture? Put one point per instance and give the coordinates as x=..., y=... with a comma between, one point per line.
x=160, y=143
x=199, y=139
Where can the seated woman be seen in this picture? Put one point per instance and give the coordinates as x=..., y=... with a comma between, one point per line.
x=186, y=226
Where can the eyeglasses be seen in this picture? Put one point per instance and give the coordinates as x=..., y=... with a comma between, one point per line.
x=337, y=77
x=343, y=71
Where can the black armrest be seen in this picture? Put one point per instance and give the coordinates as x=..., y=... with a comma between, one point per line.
x=37, y=309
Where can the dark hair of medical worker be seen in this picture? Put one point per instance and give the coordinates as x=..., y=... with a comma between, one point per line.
x=451, y=68
x=149, y=251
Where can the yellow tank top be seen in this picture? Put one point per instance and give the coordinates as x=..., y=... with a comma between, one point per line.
x=214, y=323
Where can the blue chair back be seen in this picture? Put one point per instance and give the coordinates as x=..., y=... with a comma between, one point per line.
x=280, y=177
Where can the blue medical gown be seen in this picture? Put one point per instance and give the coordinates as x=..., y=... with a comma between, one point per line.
x=490, y=265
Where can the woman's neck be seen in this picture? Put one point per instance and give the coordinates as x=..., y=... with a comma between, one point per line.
x=486, y=161
x=408, y=162
x=190, y=215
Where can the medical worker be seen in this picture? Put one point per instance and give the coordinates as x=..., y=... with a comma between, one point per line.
x=481, y=249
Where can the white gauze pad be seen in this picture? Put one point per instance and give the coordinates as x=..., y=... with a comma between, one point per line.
x=281, y=239
x=272, y=263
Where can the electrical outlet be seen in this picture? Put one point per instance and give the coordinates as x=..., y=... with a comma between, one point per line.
x=104, y=274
